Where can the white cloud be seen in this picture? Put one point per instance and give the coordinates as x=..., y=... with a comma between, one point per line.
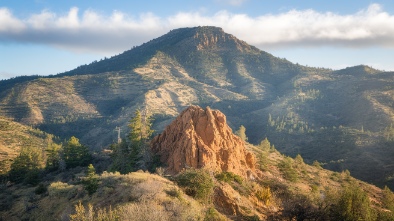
x=233, y=2
x=91, y=31
x=8, y=23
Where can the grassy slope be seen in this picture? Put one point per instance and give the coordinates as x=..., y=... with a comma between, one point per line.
x=13, y=137
x=156, y=198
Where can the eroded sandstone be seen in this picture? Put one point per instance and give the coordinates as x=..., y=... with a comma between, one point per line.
x=201, y=138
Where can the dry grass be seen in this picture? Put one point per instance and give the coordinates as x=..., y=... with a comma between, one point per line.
x=145, y=196
x=14, y=136
x=139, y=194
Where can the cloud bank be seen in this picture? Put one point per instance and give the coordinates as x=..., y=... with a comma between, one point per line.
x=89, y=31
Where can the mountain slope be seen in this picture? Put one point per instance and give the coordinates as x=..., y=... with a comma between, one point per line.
x=342, y=118
x=15, y=136
x=209, y=174
x=187, y=66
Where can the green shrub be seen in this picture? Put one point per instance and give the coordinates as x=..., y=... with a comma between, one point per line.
x=314, y=188
x=59, y=189
x=353, y=204
x=316, y=164
x=40, y=189
x=196, y=183
x=388, y=199
x=213, y=215
x=229, y=177
x=174, y=192
x=263, y=161
x=286, y=167
x=251, y=218
x=264, y=195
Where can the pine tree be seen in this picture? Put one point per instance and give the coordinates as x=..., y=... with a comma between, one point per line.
x=135, y=125
x=140, y=133
x=353, y=204
x=26, y=167
x=388, y=199
x=75, y=154
x=265, y=144
x=140, y=128
x=91, y=180
x=53, y=156
x=241, y=132
x=298, y=159
x=299, y=162
x=134, y=153
x=121, y=158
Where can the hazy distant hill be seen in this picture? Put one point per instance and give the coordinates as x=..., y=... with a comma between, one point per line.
x=342, y=118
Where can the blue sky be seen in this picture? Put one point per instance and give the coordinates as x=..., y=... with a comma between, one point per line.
x=49, y=37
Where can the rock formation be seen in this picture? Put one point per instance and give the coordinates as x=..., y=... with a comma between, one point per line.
x=202, y=139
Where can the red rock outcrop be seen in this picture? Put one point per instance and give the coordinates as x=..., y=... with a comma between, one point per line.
x=202, y=139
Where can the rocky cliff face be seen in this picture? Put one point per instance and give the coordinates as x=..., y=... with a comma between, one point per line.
x=202, y=139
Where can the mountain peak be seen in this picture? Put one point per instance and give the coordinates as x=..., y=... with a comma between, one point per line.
x=178, y=42
x=209, y=37
x=202, y=38
x=199, y=29
x=209, y=30
x=358, y=70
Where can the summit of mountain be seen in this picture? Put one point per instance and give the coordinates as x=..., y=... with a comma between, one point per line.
x=177, y=43
x=358, y=70
x=207, y=54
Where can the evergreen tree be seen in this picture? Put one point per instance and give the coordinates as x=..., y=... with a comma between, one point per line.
x=265, y=145
x=140, y=128
x=353, y=204
x=298, y=159
x=387, y=203
x=299, y=162
x=140, y=133
x=135, y=153
x=53, y=156
x=75, y=154
x=121, y=158
x=91, y=180
x=388, y=199
x=26, y=167
x=241, y=132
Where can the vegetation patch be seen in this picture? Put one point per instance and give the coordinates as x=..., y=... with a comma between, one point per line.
x=287, y=169
x=229, y=177
x=196, y=183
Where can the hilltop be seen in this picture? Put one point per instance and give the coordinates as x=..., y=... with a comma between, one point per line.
x=342, y=118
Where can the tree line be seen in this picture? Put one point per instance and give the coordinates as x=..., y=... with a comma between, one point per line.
x=32, y=163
